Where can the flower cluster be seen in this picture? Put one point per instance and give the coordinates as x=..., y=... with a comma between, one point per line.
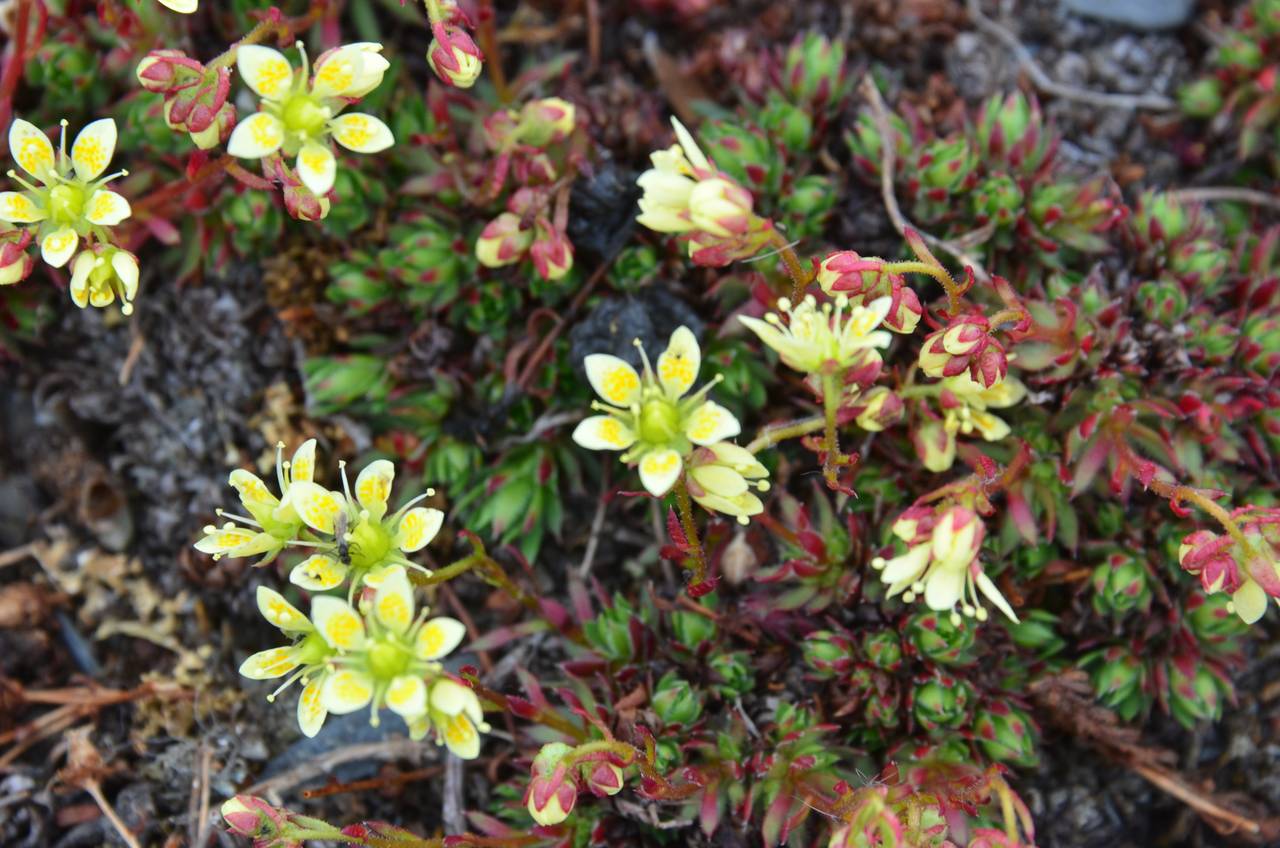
x=942, y=564
x=965, y=344
x=70, y=202
x=963, y=404
x=864, y=280
x=1245, y=566
x=195, y=95
x=658, y=424
x=821, y=340
x=354, y=539
x=685, y=194
x=561, y=772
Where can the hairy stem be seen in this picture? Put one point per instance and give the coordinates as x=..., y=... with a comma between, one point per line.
x=685, y=505
x=800, y=278
x=775, y=433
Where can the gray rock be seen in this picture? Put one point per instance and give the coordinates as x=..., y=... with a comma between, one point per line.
x=1139, y=14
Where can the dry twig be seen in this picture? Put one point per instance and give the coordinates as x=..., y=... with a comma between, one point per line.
x=1229, y=194
x=1047, y=84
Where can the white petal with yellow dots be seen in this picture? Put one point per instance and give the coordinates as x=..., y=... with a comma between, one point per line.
x=264, y=70
x=338, y=623
x=31, y=148
x=659, y=471
x=603, y=432
x=613, y=379
x=93, y=148
x=361, y=133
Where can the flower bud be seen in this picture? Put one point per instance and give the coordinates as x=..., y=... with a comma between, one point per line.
x=503, y=241
x=454, y=57
x=552, y=252
x=935, y=445
x=1006, y=734
x=880, y=408
x=166, y=71
x=546, y=121
x=15, y=262
x=964, y=345
x=721, y=477
x=720, y=208
x=1208, y=556
x=602, y=778
x=675, y=702
x=217, y=132
x=846, y=271
x=551, y=793
x=248, y=815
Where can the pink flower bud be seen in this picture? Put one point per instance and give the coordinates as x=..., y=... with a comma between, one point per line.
x=218, y=131
x=880, y=408
x=503, y=241
x=552, y=252
x=602, y=778
x=547, y=121
x=454, y=57
x=964, y=345
x=15, y=262
x=248, y=815
x=166, y=71
x=551, y=793
x=720, y=207
x=846, y=271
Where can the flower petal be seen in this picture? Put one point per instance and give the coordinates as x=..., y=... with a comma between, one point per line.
x=407, y=695
x=251, y=488
x=268, y=664
x=281, y=613
x=711, y=423
x=264, y=70
x=31, y=148
x=393, y=602
x=679, y=363
x=613, y=379
x=106, y=208
x=659, y=470
x=58, y=247
x=318, y=573
x=93, y=148
x=992, y=427
x=943, y=588
x=316, y=505
x=258, y=135
x=316, y=168
x=373, y=487
x=1250, y=601
x=338, y=72
x=452, y=698
x=338, y=622
x=303, y=464
x=184, y=7
x=311, y=711
x=988, y=588
x=460, y=737
x=906, y=567
x=361, y=133
x=18, y=208
x=603, y=432
x=438, y=637
x=691, y=150
x=346, y=691
x=417, y=528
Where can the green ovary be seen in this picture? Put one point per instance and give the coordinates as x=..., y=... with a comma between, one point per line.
x=659, y=422
x=370, y=544
x=313, y=650
x=66, y=203
x=387, y=660
x=303, y=114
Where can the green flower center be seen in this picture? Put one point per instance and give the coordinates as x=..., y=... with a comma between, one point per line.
x=313, y=650
x=303, y=114
x=659, y=422
x=388, y=659
x=370, y=544
x=66, y=203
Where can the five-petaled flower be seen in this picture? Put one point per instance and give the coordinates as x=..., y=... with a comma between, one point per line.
x=300, y=111
x=654, y=418
x=71, y=201
x=964, y=403
x=820, y=339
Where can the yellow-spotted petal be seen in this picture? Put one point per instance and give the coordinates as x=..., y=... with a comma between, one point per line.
x=346, y=691
x=264, y=70
x=251, y=488
x=316, y=168
x=316, y=506
x=303, y=465
x=407, y=695
x=361, y=133
x=318, y=573
x=659, y=470
x=373, y=487
x=281, y=613
x=17, y=208
x=452, y=698
x=1250, y=601
x=992, y=428
x=58, y=247
x=184, y=7
x=31, y=148
x=93, y=148
x=711, y=423
x=438, y=637
x=338, y=622
x=679, y=363
x=106, y=208
x=225, y=539
x=603, y=432
x=460, y=737
x=268, y=664
x=393, y=602
x=417, y=528
x=258, y=135
x=338, y=73
x=311, y=711
x=613, y=379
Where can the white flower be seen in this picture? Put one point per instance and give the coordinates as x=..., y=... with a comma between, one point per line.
x=965, y=402
x=299, y=115
x=820, y=340
x=721, y=477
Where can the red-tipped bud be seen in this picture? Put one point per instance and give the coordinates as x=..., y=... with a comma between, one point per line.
x=454, y=57
x=552, y=252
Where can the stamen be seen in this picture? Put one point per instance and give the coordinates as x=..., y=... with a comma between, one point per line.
x=243, y=519
x=346, y=487
x=62, y=144
x=402, y=510
x=644, y=357
x=109, y=177
x=306, y=64
x=289, y=682
x=13, y=175
x=280, y=466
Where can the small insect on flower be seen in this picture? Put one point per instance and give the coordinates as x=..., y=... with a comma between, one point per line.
x=307, y=657
x=651, y=418
x=272, y=522
x=300, y=111
x=70, y=202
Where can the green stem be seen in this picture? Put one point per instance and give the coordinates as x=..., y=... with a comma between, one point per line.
x=443, y=575
x=1007, y=315
x=685, y=505
x=775, y=433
